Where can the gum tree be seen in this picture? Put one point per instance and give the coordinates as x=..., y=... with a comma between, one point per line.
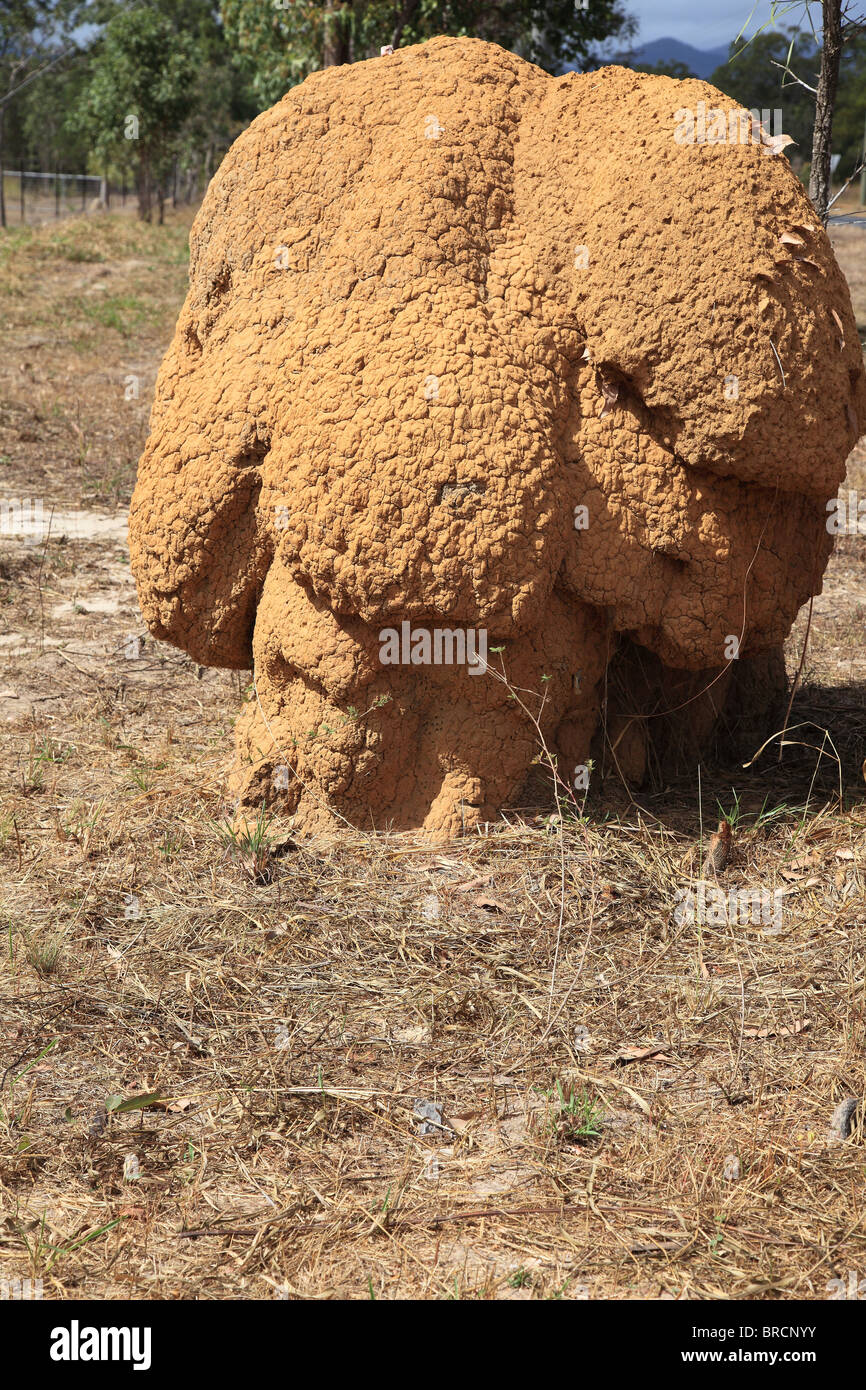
x=140, y=96
x=832, y=24
x=218, y=101
x=752, y=76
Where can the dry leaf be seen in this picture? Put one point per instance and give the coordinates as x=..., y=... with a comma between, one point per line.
x=838, y=323
x=610, y=395
x=719, y=849
x=639, y=1054
x=417, y=1033
x=661, y=1247
x=784, y=1030
x=461, y=1123
x=777, y=143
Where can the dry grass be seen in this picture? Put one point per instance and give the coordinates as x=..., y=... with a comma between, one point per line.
x=285, y=1008
x=87, y=309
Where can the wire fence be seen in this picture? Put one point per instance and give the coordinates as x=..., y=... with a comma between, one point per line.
x=32, y=198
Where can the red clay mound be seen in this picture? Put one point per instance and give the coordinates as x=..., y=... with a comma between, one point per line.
x=477, y=358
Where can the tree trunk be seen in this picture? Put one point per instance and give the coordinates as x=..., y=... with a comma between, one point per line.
x=406, y=16
x=142, y=178
x=825, y=102
x=337, y=34
x=192, y=182
x=2, y=195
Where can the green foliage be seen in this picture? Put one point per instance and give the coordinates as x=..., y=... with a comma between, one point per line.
x=193, y=73
x=665, y=68
x=750, y=78
x=850, y=115
x=47, y=130
x=137, y=98
x=280, y=43
x=162, y=94
x=31, y=32
x=573, y=1114
x=277, y=47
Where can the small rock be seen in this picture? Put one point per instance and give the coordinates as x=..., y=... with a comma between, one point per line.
x=428, y=1117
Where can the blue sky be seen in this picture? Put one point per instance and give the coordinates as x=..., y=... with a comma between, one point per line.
x=702, y=23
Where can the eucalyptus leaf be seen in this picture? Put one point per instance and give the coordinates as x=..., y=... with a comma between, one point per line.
x=122, y=1107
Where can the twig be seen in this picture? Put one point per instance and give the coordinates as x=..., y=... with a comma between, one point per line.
x=796, y=680
x=785, y=68
x=860, y=167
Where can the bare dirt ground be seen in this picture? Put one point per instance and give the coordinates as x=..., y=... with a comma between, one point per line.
x=367, y=1067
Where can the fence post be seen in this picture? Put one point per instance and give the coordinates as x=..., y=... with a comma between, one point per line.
x=84, y=191
x=21, y=189
x=56, y=190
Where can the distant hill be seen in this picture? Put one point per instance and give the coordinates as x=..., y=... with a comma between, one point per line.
x=702, y=61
